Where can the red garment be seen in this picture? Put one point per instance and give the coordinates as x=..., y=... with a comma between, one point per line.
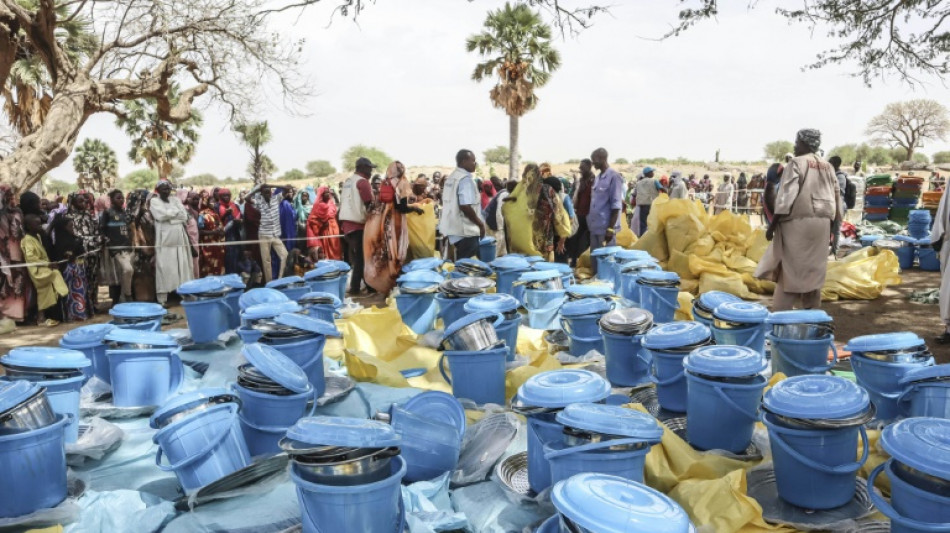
x=230, y=206
x=488, y=192
x=322, y=223
x=582, y=206
x=387, y=193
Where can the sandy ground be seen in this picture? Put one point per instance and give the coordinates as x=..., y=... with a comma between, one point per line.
x=893, y=311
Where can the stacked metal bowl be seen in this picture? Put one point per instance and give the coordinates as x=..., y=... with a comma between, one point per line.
x=473, y=267
x=629, y=321
x=253, y=379
x=24, y=407
x=419, y=282
x=465, y=287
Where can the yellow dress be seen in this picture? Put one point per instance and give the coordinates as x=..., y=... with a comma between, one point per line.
x=519, y=221
x=48, y=282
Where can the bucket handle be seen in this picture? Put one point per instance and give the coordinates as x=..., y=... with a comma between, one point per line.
x=846, y=468
x=888, y=395
x=265, y=429
x=196, y=456
x=666, y=382
x=905, y=398
x=402, y=515
x=663, y=301
x=176, y=372
x=892, y=513
x=442, y=369
x=735, y=407
x=816, y=369
x=648, y=361
x=595, y=446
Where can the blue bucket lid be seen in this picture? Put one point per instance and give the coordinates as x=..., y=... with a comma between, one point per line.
x=420, y=279
x=46, y=357
x=904, y=238
x=585, y=307
x=308, y=323
x=802, y=316
x=659, y=275
x=559, y=388
x=134, y=336
x=675, y=335
x=563, y=268
x=590, y=290
x=13, y=393
x=926, y=373
x=428, y=263
x=475, y=263
x=921, y=443
x=510, y=262
x=336, y=303
x=232, y=280
x=343, y=431
x=884, y=341
x=487, y=240
x=713, y=299
x=270, y=310
x=85, y=336
x=277, y=366
x=438, y=406
x=468, y=319
x=202, y=285
x=261, y=295
x=532, y=259
x=610, y=420
x=870, y=238
x=606, y=250
x=624, y=256
x=284, y=282
x=639, y=265
x=186, y=401
x=924, y=242
x=539, y=275
x=725, y=361
x=341, y=266
x=816, y=397
x=137, y=310
x=319, y=272
x=612, y=504
x=744, y=312
x=496, y=302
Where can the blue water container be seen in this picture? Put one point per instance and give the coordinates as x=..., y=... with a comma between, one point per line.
x=621, y=258
x=206, y=308
x=508, y=306
x=801, y=341
x=659, y=293
x=89, y=340
x=233, y=298
x=323, y=305
x=881, y=361
x=629, y=274
x=487, y=248
x=926, y=392
x=507, y=271
x=707, y=302
x=668, y=344
x=145, y=367
x=142, y=316
x=740, y=324
x=599, y=260
x=34, y=468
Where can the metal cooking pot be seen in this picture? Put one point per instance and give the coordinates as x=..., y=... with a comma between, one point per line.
x=475, y=337
x=548, y=284
x=357, y=466
x=40, y=374
x=133, y=320
x=577, y=437
x=727, y=324
x=921, y=480
x=802, y=332
x=203, y=296
x=209, y=403
x=908, y=355
x=33, y=413
x=827, y=423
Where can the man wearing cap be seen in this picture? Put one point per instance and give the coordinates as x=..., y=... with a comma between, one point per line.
x=606, y=201
x=268, y=232
x=355, y=199
x=648, y=189
x=461, y=202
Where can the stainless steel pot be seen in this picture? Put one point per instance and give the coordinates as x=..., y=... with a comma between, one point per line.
x=546, y=285
x=40, y=374
x=727, y=324
x=578, y=437
x=208, y=404
x=802, y=332
x=910, y=355
x=203, y=296
x=134, y=320
x=355, y=467
x=33, y=413
x=475, y=337
x=827, y=423
x=921, y=480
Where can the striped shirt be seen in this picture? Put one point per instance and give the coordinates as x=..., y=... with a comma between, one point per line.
x=270, y=214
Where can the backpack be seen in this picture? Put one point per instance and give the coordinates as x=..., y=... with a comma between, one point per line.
x=490, y=212
x=850, y=194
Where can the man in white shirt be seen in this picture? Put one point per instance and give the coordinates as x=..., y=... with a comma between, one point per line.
x=460, y=222
x=269, y=234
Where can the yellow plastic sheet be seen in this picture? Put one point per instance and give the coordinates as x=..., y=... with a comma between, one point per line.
x=421, y=232
x=721, y=505
x=862, y=275
x=626, y=237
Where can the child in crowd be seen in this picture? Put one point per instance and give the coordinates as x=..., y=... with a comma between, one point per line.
x=249, y=269
x=297, y=263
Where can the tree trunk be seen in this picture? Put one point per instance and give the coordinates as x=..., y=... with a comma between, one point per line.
x=513, y=163
x=910, y=152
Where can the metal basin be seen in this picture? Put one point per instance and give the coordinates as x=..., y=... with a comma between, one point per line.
x=475, y=337
x=577, y=437
x=827, y=423
x=802, y=332
x=351, y=466
x=909, y=355
x=33, y=413
x=40, y=374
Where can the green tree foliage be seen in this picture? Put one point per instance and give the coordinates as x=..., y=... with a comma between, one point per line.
x=201, y=180
x=320, y=168
x=96, y=164
x=59, y=186
x=776, y=150
x=379, y=158
x=941, y=158
x=255, y=135
x=143, y=178
x=294, y=174
x=263, y=167
x=921, y=158
x=621, y=161
x=158, y=143
x=499, y=154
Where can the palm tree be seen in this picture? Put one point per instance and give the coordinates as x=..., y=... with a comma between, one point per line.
x=96, y=164
x=255, y=135
x=516, y=45
x=158, y=143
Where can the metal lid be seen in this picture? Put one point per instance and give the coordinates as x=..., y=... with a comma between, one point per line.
x=469, y=285
x=585, y=307
x=884, y=342
x=563, y=268
x=605, y=251
x=277, y=366
x=428, y=263
x=628, y=321
x=13, y=393
x=468, y=320
x=610, y=420
x=713, y=299
x=325, y=298
x=675, y=335
x=420, y=279
x=803, y=316
x=85, y=336
x=624, y=256
x=45, y=357
x=510, y=262
x=539, y=275
x=559, y=388
x=261, y=295
x=725, y=361
x=438, y=406
x=920, y=443
x=308, y=323
x=187, y=401
x=134, y=336
x=659, y=276
x=137, y=310
x=639, y=265
x=611, y=504
x=233, y=281
x=472, y=264
x=589, y=290
x=926, y=373
x=322, y=271
x=270, y=310
x=203, y=285
x=284, y=282
x=343, y=431
x=497, y=302
x=816, y=397
x=744, y=312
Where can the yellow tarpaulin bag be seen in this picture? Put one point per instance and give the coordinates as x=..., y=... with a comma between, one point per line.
x=729, y=228
x=730, y=282
x=626, y=237
x=707, y=265
x=682, y=231
x=685, y=310
x=654, y=243
x=519, y=221
x=421, y=232
x=679, y=263
x=757, y=246
x=758, y=286
x=862, y=275
x=721, y=505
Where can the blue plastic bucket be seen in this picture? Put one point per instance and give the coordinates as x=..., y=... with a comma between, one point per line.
x=34, y=470
x=604, y=270
x=580, y=346
x=628, y=365
x=815, y=468
x=63, y=396
x=325, y=312
x=429, y=447
x=203, y=447
x=543, y=429
x=721, y=415
x=335, y=286
x=660, y=301
x=142, y=378
x=882, y=381
x=566, y=461
x=308, y=354
x=371, y=507
x=487, y=251
x=478, y=376
x=928, y=259
x=752, y=336
x=925, y=398
x=906, y=256
x=450, y=309
x=272, y=409
x=629, y=288
x=504, y=283
x=912, y=509
x=794, y=357
x=233, y=299
x=418, y=311
x=508, y=332
x=544, y=307
x=582, y=326
x=670, y=379
x=260, y=439
x=146, y=325
x=207, y=318
x=249, y=335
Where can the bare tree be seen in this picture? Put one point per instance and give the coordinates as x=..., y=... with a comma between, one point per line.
x=908, y=124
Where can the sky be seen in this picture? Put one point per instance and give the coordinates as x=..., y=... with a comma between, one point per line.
x=399, y=78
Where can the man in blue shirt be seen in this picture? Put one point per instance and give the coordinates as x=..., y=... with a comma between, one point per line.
x=606, y=201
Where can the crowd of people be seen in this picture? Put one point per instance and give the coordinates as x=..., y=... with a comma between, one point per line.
x=143, y=244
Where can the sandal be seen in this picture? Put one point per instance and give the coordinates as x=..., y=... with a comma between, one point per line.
x=50, y=323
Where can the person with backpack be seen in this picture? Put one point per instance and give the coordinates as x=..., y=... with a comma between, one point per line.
x=495, y=219
x=848, y=190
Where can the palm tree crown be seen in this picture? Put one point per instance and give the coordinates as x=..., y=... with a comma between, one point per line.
x=96, y=164
x=255, y=135
x=160, y=144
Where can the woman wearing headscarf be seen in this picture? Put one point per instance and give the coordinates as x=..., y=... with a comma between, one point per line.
x=231, y=219
x=192, y=205
x=322, y=227
x=807, y=216
x=14, y=282
x=303, y=205
x=534, y=204
x=210, y=232
x=742, y=194
x=80, y=212
x=68, y=250
x=142, y=227
x=488, y=192
x=107, y=273
x=173, y=251
x=386, y=234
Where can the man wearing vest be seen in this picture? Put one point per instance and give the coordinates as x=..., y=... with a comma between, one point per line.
x=354, y=200
x=460, y=221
